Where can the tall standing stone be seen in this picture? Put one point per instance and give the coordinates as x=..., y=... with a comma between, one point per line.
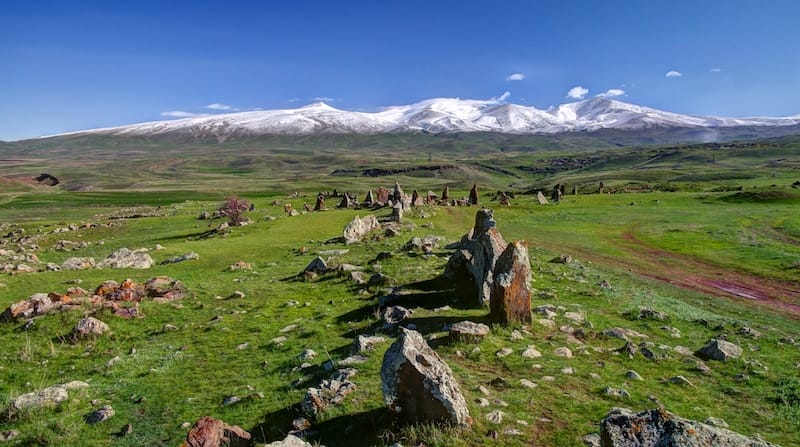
x=397, y=212
x=320, y=203
x=445, y=194
x=397, y=192
x=541, y=198
x=510, y=300
x=346, y=201
x=418, y=386
x=369, y=200
x=416, y=199
x=382, y=198
x=473, y=194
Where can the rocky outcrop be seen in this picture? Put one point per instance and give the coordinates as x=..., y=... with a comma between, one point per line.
x=124, y=258
x=471, y=268
x=359, y=227
x=210, y=432
x=510, y=300
x=655, y=428
x=720, y=350
x=418, y=386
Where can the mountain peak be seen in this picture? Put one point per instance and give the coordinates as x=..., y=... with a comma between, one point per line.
x=318, y=105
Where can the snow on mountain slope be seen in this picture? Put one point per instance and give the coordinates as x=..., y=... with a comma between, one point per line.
x=438, y=115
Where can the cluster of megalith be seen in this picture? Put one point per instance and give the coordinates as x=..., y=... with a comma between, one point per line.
x=487, y=270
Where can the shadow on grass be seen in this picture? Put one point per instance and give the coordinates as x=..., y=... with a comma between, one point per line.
x=363, y=428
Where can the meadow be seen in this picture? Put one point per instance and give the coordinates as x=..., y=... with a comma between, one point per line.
x=708, y=234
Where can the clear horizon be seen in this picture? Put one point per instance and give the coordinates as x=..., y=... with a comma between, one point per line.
x=92, y=65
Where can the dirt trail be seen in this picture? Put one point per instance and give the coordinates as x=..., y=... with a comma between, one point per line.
x=699, y=275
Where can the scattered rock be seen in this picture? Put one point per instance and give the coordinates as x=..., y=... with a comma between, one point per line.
x=318, y=265
x=622, y=333
x=527, y=383
x=330, y=392
x=47, y=397
x=680, y=380
x=495, y=417
x=504, y=352
x=89, y=327
x=574, y=316
x=104, y=413
x=230, y=400
x=719, y=350
x=394, y=315
x=417, y=384
x=307, y=354
x=648, y=313
x=633, y=375
x=716, y=422
x=563, y=352
x=591, y=440
x=531, y=352
x=364, y=343
x=289, y=441
x=468, y=332
x=125, y=258
x=210, y=432
x=8, y=435
x=623, y=428
x=616, y=392
x=78, y=264
x=186, y=257
x=749, y=332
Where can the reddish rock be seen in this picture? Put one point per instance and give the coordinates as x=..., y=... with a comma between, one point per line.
x=510, y=299
x=416, y=199
x=210, y=432
x=382, y=196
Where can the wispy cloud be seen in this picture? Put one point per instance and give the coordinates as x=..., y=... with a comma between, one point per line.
x=182, y=114
x=673, y=74
x=612, y=93
x=577, y=92
x=515, y=77
x=715, y=70
x=218, y=106
x=292, y=100
x=500, y=98
x=324, y=99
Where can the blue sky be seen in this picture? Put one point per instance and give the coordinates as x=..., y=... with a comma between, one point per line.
x=78, y=65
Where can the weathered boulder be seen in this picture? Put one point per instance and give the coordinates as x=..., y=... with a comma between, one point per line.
x=720, y=350
x=652, y=428
x=330, y=392
x=417, y=384
x=425, y=244
x=510, y=299
x=210, y=432
x=89, y=327
x=47, y=397
x=78, y=264
x=124, y=258
x=468, y=331
x=359, y=227
x=366, y=343
x=395, y=315
x=471, y=269
x=164, y=288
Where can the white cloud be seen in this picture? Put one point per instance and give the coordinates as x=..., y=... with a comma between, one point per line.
x=500, y=98
x=715, y=70
x=577, y=92
x=324, y=99
x=218, y=106
x=515, y=77
x=612, y=93
x=673, y=74
x=294, y=100
x=182, y=114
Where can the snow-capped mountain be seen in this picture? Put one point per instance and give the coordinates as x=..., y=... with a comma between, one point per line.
x=439, y=115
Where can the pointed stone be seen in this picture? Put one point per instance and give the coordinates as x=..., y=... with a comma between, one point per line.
x=541, y=198
x=369, y=199
x=320, y=203
x=473, y=194
x=445, y=194
x=510, y=300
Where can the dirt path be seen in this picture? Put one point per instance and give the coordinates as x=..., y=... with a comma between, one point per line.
x=698, y=275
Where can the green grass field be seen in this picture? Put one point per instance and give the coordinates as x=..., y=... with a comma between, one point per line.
x=730, y=217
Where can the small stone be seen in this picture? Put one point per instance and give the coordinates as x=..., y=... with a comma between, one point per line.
x=527, y=383
x=307, y=354
x=614, y=392
x=113, y=361
x=516, y=335
x=563, y=352
x=531, y=352
x=574, y=316
x=288, y=328
x=482, y=402
x=548, y=379
x=716, y=422
x=468, y=331
x=504, y=352
x=230, y=400
x=104, y=413
x=279, y=340
x=591, y=440
x=633, y=375
x=568, y=370
x=495, y=416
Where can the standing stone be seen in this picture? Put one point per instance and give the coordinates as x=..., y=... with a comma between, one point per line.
x=556, y=196
x=418, y=386
x=510, y=300
x=346, y=201
x=382, y=197
x=575, y=190
x=541, y=199
x=430, y=199
x=473, y=194
x=397, y=192
x=446, y=194
x=416, y=199
x=320, y=203
x=210, y=432
x=397, y=212
x=369, y=200
x=504, y=200
x=600, y=188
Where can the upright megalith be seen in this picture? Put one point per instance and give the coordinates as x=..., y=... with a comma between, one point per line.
x=382, y=196
x=397, y=193
x=320, y=202
x=445, y=194
x=510, y=300
x=416, y=199
x=541, y=198
x=471, y=268
x=397, y=212
x=418, y=386
x=473, y=194
x=369, y=200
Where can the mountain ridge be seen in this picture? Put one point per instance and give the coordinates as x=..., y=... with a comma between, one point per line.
x=435, y=116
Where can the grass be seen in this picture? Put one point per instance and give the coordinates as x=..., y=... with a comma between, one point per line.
x=190, y=355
